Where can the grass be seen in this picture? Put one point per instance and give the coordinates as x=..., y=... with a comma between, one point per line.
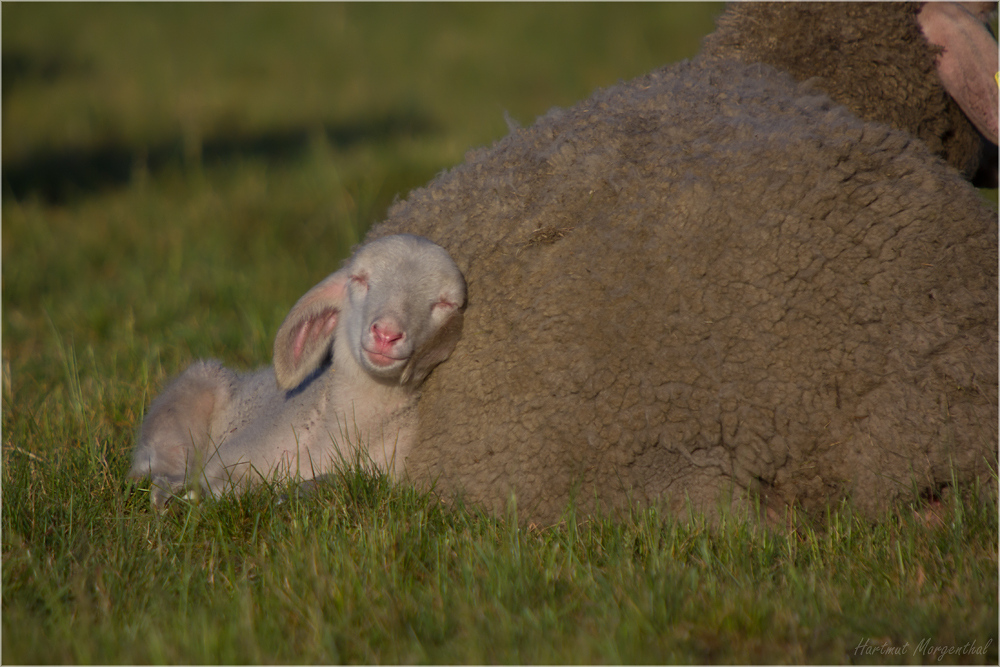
x=370, y=572
x=174, y=177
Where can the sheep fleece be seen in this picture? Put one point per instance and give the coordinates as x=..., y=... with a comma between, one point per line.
x=709, y=284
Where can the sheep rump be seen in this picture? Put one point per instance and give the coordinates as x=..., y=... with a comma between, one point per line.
x=710, y=284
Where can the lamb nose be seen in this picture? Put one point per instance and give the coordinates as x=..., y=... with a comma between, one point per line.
x=385, y=336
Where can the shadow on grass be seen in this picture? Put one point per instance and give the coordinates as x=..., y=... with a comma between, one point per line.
x=19, y=67
x=60, y=175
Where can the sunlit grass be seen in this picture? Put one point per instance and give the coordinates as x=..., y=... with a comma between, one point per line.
x=365, y=571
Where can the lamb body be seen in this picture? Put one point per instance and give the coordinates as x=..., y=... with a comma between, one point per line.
x=716, y=283
x=347, y=362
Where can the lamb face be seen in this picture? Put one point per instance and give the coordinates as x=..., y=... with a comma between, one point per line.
x=394, y=311
x=401, y=292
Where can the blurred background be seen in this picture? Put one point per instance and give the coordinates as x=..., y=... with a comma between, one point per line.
x=175, y=176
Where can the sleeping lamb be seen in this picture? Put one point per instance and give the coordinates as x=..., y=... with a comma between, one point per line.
x=726, y=281
x=386, y=319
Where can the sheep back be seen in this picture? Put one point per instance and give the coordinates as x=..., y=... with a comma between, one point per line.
x=709, y=284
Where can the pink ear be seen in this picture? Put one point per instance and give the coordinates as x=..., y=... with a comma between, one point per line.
x=968, y=64
x=312, y=331
x=305, y=337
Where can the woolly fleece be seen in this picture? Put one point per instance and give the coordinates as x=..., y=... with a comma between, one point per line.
x=711, y=283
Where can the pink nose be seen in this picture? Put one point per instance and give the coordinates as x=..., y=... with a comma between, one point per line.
x=385, y=336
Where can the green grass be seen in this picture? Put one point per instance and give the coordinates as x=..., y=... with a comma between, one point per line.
x=367, y=572
x=177, y=176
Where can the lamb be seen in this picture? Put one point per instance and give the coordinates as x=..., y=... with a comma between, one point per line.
x=724, y=284
x=348, y=360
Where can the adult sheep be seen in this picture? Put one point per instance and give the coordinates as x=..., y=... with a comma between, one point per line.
x=715, y=283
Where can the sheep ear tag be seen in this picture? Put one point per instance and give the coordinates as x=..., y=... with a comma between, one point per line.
x=306, y=336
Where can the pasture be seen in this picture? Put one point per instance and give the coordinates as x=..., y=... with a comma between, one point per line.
x=175, y=176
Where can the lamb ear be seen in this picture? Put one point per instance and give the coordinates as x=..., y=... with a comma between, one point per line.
x=968, y=64
x=435, y=350
x=305, y=337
